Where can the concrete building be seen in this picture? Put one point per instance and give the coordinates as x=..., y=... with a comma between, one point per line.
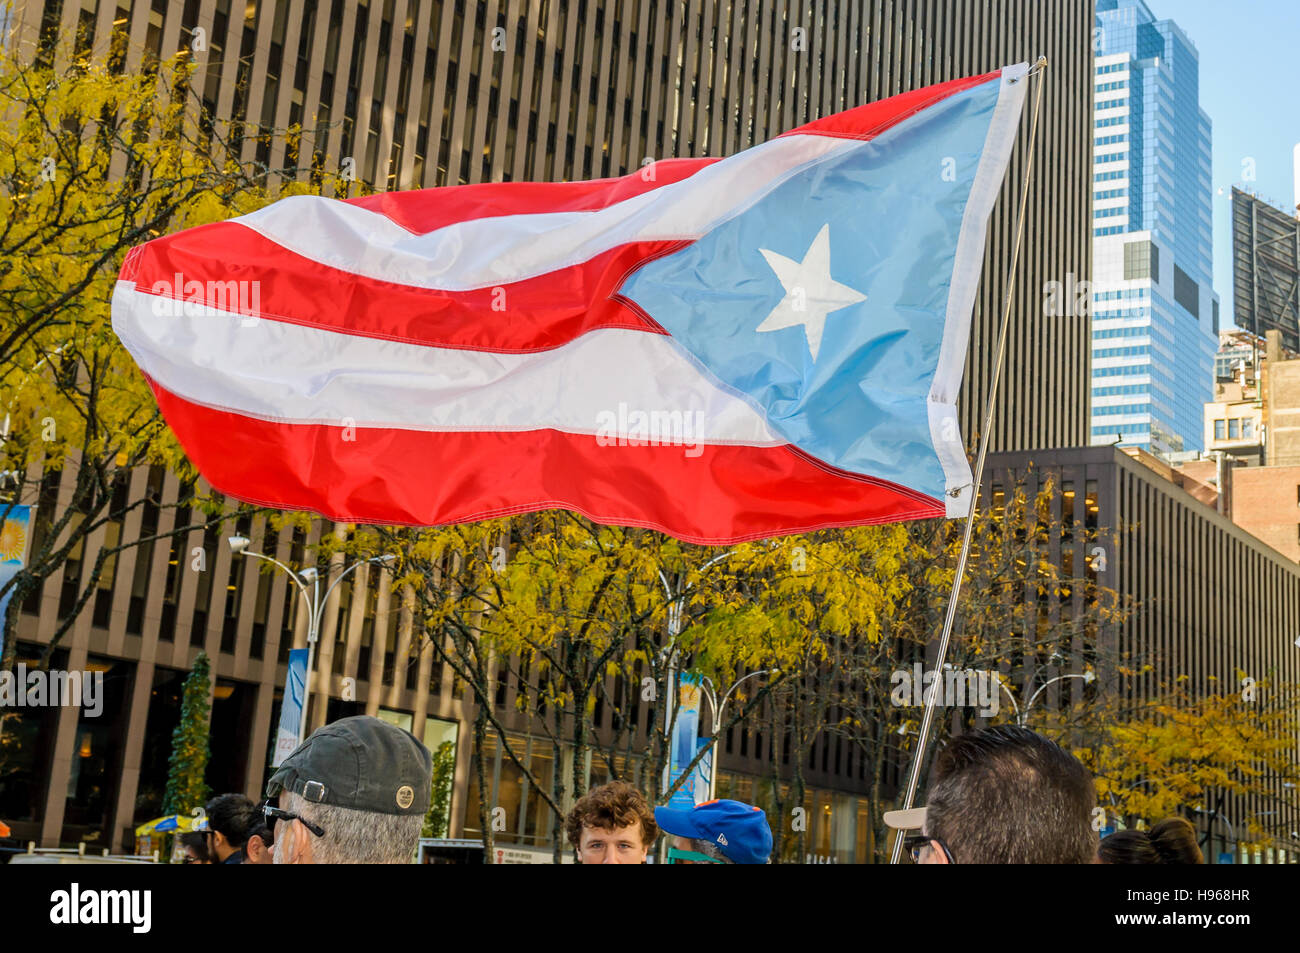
x=1234, y=419
x=1155, y=316
x=427, y=93
x=1212, y=598
x=1236, y=348
x=1266, y=499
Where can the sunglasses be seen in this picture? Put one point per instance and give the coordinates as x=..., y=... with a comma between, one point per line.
x=915, y=843
x=273, y=814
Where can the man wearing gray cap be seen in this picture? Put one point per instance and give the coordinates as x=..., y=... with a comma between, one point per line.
x=355, y=792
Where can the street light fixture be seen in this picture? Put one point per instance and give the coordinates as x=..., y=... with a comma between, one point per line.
x=1088, y=678
x=1232, y=831
x=716, y=711
x=316, y=602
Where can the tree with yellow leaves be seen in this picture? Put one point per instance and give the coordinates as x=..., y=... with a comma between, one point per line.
x=92, y=163
x=1182, y=752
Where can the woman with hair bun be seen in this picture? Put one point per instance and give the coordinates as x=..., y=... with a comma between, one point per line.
x=1172, y=841
x=1175, y=841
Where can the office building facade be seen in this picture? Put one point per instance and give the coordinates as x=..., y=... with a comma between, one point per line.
x=1212, y=600
x=1155, y=318
x=439, y=93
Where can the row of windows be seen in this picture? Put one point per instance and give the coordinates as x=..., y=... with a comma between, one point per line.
x=1133, y=331
x=1110, y=104
x=1112, y=121
x=1110, y=157
x=1109, y=194
x=1121, y=409
x=1120, y=295
x=1235, y=428
x=1114, y=84
x=1112, y=68
x=1108, y=140
x=1144, y=349
x=1107, y=176
x=1110, y=212
x=1102, y=314
x=1120, y=430
x=1120, y=390
x=1108, y=230
x=1126, y=370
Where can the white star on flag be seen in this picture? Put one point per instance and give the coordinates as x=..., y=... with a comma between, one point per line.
x=810, y=291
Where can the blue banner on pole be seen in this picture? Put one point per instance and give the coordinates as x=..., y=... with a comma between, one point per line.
x=295, y=684
x=14, y=535
x=686, y=742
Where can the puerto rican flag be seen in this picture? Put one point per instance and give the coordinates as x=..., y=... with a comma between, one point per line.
x=720, y=350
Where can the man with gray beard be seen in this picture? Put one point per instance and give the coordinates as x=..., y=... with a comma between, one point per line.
x=355, y=792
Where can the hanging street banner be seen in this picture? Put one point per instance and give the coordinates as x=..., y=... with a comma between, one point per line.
x=15, y=538
x=686, y=742
x=291, y=713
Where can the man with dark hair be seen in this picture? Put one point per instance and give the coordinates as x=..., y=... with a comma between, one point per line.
x=1003, y=795
x=230, y=818
x=257, y=849
x=611, y=824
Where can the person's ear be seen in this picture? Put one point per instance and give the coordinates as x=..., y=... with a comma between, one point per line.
x=937, y=855
x=301, y=853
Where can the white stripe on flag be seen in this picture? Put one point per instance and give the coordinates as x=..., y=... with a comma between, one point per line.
x=968, y=263
x=288, y=372
x=486, y=252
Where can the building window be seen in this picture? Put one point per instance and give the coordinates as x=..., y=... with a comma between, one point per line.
x=1219, y=431
x=1186, y=292
x=1141, y=260
x=1234, y=428
x=1247, y=428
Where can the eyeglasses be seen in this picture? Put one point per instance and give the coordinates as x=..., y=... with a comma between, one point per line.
x=915, y=843
x=274, y=814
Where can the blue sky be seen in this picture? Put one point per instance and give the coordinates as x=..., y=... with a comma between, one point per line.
x=1250, y=87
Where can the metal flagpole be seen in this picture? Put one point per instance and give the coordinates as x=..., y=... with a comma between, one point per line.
x=926, y=721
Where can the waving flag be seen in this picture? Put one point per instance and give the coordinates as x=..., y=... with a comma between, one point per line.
x=718, y=349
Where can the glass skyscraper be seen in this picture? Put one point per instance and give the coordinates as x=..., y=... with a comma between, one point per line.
x=1155, y=318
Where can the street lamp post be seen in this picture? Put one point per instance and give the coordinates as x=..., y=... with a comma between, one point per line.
x=676, y=608
x=1021, y=716
x=1232, y=831
x=316, y=602
x=716, y=711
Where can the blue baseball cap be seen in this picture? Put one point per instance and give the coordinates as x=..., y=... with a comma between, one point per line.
x=738, y=830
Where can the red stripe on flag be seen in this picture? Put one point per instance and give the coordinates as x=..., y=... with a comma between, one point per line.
x=867, y=122
x=724, y=495
x=535, y=314
x=423, y=210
